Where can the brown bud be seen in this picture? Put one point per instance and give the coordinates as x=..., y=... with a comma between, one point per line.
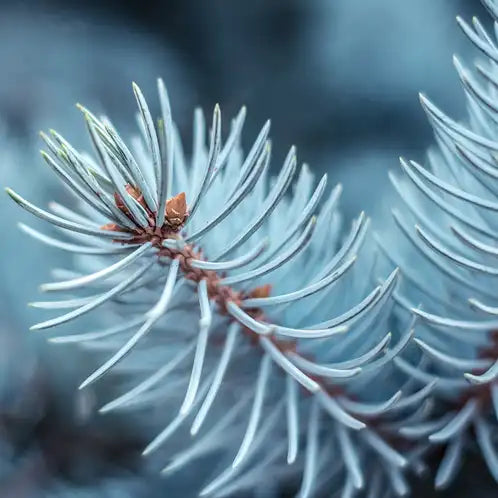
x=111, y=227
x=263, y=291
x=176, y=210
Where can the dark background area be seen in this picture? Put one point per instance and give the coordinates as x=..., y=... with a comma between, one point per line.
x=338, y=78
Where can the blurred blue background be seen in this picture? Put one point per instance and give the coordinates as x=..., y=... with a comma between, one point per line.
x=338, y=78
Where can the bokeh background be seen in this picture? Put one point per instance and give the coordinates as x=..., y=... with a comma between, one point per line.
x=338, y=78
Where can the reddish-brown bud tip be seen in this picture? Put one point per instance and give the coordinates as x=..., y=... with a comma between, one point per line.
x=263, y=291
x=111, y=227
x=176, y=210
